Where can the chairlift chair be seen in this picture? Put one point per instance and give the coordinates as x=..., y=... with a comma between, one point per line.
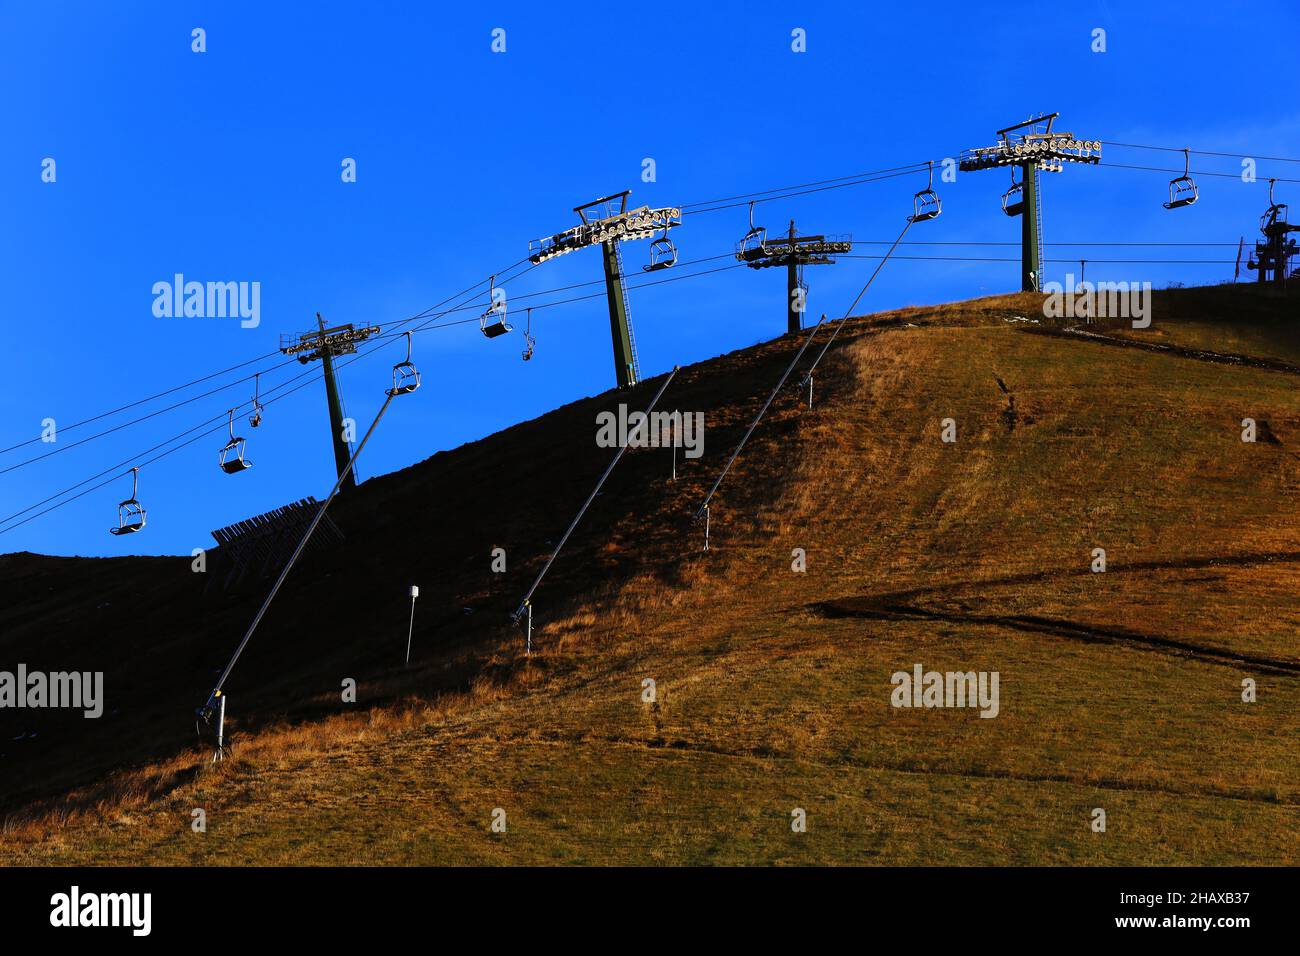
x=1182, y=190
x=130, y=514
x=754, y=241
x=255, y=419
x=1013, y=200
x=663, y=253
x=406, y=377
x=1275, y=217
x=530, y=342
x=925, y=204
x=493, y=321
x=231, y=458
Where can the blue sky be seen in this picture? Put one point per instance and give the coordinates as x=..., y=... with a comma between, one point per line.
x=225, y=166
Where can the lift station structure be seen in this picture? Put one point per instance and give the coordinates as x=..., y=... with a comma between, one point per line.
x=794, y=252
x=1272, y=256
x=606, y=222
x=1033, y=146
x=326, y=344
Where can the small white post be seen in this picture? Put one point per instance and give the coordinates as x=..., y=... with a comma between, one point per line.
x=415, y=593
x=706, y=527
x=221, y=730
x=528, y=645
x=810, y=380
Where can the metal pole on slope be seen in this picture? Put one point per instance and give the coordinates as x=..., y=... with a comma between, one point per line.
x=704, y=508
x=206, y=709
x=807, y=378
x=410, y=629
x=220, y=753
x=525, y=604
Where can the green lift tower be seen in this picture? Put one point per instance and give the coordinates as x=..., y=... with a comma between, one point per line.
x=606, y=222
x=326, y=344
x=1033, y=147
x=794, y=252
x=1273, y=254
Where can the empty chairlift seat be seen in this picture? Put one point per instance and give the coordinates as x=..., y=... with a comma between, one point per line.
x=1182, y=190
x=1013, y=200
x=925, y=204
x=493, y=321
x=663, y=253
x=406, y=377
x=130, y=513
x=231, y=458
x=754, y=242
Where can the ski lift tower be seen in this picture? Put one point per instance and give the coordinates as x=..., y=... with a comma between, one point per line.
x=794, y=252
x=607, y=222
x=326, y=344
x=1273, y=253
x=1033, y=146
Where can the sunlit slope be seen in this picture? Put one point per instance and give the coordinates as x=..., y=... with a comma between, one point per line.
x=1120, y=690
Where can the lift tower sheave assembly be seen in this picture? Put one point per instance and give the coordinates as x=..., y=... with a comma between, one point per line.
x=794, y=252
x=606, y=222
x=326, y=344
x=1034, y=147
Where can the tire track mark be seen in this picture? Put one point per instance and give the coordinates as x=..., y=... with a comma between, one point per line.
x=681, y=745
x=874, y=609
x=1182, y=351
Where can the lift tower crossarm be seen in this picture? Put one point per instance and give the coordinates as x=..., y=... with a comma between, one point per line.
x=794, y=252
x=605, y=222
x=639, y=223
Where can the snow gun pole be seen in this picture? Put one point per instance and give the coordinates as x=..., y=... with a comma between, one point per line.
x=208, y=707
x=703, y=509
x=524, y=604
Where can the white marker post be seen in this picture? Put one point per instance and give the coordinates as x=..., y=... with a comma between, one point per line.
x=220, y=753
x=415, y=593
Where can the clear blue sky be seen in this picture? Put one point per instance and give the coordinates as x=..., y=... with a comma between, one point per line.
x=225, y=166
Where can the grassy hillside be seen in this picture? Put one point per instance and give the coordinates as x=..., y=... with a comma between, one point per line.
x=1119, y=690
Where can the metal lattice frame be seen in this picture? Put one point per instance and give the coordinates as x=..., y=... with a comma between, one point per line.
x=602, y=223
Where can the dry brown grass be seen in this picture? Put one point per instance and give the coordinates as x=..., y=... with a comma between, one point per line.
x=766, y=703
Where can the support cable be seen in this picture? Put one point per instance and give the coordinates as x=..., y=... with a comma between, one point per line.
x=163, y=394
x=1195, y=172
x=1203, y=152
